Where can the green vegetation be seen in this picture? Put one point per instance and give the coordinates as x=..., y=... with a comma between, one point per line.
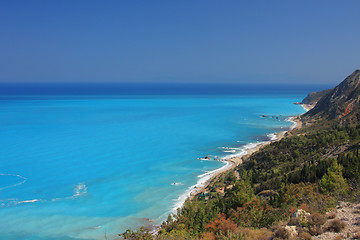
x=311, y=170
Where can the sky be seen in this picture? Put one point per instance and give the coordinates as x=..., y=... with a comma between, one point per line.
x=190, y=41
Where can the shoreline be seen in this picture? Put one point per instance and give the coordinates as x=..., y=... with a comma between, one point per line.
x=232, y=162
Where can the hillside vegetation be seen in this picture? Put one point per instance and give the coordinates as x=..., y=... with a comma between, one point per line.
x=307, y=173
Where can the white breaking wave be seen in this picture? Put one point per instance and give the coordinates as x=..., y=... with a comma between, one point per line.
x=238, y=152
x=200, y=183
x=272, y=136
x=229, y=151
x=294, y=123
x=79, y=190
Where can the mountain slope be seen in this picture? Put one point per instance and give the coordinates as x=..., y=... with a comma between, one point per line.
x=314, y=97
x=341, y=102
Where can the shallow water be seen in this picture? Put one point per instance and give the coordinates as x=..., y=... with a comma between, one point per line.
x=83, y=166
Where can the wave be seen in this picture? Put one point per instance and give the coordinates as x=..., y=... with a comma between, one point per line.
x=289, y=119
x=272, y=136
x=204, y=178
x=238, y=152
x=79, y=190
x=24, y=179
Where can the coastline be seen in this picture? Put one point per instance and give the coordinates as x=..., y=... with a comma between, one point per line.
x=233, y=161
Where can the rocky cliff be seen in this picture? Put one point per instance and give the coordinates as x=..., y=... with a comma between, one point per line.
x=314, y=97
x=341, y=102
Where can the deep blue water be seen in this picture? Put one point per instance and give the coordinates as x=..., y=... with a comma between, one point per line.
x=77, y=161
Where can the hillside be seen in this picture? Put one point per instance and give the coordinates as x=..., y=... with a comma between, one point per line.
x=340, y=103
x=288, y=189
x=314, y=97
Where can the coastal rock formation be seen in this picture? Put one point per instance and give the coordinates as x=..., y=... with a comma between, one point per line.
x=341, y=102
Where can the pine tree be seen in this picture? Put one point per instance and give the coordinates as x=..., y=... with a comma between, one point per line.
x=333, y=181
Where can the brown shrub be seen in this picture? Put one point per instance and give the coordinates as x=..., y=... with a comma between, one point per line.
x=295, y=222
x=338, y=238
x=281, y=233
x=317, y=219
x=336, y=225
x=304, y=207
x=316, y=230
x=305, y=235
x=221, y=225
x=207, y=236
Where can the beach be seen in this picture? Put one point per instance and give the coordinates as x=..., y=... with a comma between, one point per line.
x=233, y=162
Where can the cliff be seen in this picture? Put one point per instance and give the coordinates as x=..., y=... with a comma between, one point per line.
x=314, y=97
x=340, y=103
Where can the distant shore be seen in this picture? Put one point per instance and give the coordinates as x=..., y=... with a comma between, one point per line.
x=238, y=160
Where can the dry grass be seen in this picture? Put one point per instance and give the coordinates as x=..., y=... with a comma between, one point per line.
x=256, y=234
x=338, y=238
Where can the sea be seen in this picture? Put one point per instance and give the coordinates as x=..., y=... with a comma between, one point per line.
x=88, y=161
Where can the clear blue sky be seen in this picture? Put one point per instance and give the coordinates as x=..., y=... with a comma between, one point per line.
x=179, y=41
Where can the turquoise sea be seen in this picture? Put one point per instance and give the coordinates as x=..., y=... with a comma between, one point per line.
x=79, y=164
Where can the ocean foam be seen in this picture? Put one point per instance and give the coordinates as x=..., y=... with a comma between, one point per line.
x=294, y=123
x=79, y=189
x=272, y=136
x=200, y=183
x=204, y=178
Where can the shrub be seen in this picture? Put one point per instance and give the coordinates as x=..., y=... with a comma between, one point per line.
x=338, y=238
x=281, y=233
x=221, y=225
x=336, y=225
x=295, y=221
x=305, y=235
x=208, y=236
x=317, y=219
x=316, y=230
x=142, y=233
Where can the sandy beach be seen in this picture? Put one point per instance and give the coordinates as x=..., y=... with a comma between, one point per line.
x=236, y=161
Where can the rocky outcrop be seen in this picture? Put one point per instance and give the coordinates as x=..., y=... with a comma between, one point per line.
x=341, y=102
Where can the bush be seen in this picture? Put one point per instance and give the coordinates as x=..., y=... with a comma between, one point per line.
x=316, y=230
x=281, y=233
x=336, y=225
x=317, y=219
x=305, y=235
x=331, y=215
x=221, y=225
x=295, y=221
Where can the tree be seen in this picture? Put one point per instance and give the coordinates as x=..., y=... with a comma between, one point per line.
x=333, y=181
